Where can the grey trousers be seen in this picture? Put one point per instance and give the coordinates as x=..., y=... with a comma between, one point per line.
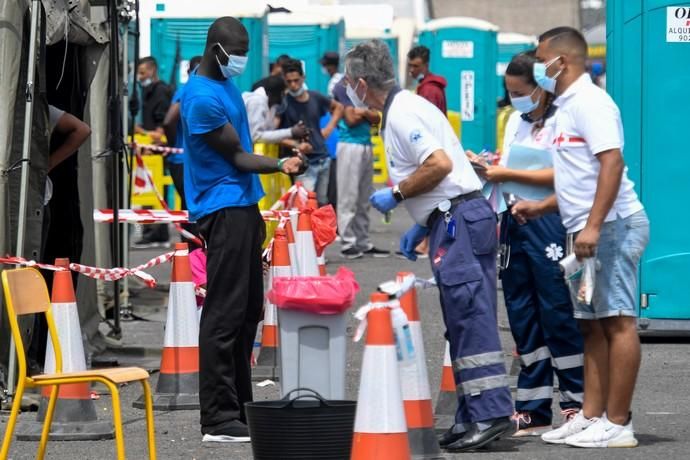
x=355, y=175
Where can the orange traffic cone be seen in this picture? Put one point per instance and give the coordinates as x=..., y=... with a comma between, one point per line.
x=298, y=202
x=447, y=402
x=306, y=251
x=313, y=204
x=380, y=430
x=75, y=417
x=415, y=385
x=178, y=383
x=267, y=364
x=292, y=247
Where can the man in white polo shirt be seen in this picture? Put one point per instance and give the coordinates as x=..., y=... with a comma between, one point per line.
x=441, y=192
x=604, y=219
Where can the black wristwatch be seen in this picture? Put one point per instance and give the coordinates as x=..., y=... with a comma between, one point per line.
x=397, y=194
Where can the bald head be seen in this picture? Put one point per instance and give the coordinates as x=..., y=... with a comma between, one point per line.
x=230, y=34
x=565, y=41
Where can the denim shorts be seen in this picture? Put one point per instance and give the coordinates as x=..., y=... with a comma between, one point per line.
x=618, y=254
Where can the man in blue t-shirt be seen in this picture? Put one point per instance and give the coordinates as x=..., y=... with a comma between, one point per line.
x=222, y=190
x=309, y=107
x=172, y=125
x=355, y=173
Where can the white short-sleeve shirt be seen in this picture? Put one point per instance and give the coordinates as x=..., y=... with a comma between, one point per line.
x=587, y=123
x=520, y=132
x=414, y=129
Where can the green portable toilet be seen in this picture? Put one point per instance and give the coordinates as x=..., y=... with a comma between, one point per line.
x=355, y=36
x=648, y=74
x=174, y=31
x=510, y=44
x=464, y=51
x=306, y=37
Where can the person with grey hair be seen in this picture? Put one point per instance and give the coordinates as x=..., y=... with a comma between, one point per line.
x=442, y=193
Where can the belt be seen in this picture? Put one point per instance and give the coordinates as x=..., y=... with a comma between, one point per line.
x=436, y=213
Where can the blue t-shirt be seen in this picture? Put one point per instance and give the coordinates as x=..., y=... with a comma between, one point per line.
x=211, y=182
x=358, y=134
x=177, y=158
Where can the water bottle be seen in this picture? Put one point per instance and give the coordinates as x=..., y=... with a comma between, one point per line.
x=403, y=336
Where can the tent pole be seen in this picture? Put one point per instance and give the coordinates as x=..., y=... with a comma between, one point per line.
x=115, y=148
x=126, y=307
x=26, y=155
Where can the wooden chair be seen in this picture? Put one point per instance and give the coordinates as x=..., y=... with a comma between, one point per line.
x=26, y=293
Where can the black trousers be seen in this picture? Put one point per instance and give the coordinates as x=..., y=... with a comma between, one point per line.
x=231, y=313
x=177, y=174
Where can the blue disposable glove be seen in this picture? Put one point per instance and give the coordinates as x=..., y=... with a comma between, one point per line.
x=383, y=200
x=411, y=239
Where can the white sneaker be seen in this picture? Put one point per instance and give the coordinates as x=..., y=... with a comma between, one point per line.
x=604, y=434
x=224, y=438
x=574, y=425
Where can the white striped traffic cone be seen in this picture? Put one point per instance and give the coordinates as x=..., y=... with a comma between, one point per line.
x=306, y=251
x=267, y=364
x=292, y=246
x=75, y=417
x=447, y=402
x=380, y=430
x=178, y=382
x=415, y=385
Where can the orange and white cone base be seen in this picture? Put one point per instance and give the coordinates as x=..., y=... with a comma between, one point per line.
x=415, y=386
x=380, y=429
x=447, y=402
x=267, y=365
x=178, y=382
x=75, y=417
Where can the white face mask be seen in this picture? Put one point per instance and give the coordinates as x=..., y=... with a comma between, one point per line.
x=299, y=92
x=352, y=94
x=235, y=65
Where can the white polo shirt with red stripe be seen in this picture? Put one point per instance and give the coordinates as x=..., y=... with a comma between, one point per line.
x=587, y=123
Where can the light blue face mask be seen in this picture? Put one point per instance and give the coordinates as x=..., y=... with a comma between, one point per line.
x=145, y=82
x=235, y=65
x=544, y=81
x=352, y=94
x=525, y=104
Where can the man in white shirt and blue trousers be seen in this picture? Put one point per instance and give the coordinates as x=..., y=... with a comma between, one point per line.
x=441, y=191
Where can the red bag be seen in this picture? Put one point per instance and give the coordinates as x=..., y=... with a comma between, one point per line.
x=324, y=225
x=323, y=295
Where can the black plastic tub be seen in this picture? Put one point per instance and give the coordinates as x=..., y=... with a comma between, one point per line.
x=305, y=427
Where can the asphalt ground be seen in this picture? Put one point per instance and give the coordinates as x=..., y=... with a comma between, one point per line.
x=661, y=406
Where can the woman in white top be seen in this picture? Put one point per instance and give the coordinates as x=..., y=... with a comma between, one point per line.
x=536, y=296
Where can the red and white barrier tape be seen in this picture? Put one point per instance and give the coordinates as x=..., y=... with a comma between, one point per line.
x=157, y=148
x=105, y=274
x=185, y=233
x=140, y=216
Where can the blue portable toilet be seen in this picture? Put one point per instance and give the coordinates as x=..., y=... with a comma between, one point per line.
x=355, y=36
x=174, y=31
x=648, y=75
x=510, y=44
x=464, y=51
x=306, y=36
